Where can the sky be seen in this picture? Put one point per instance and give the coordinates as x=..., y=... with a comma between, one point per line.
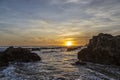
x=53, y=22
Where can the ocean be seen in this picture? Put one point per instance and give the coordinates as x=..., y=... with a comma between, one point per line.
x=57, y=64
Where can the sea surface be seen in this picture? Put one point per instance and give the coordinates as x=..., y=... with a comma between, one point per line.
x=57, y=64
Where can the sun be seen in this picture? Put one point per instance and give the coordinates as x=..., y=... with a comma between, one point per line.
x=69, y=43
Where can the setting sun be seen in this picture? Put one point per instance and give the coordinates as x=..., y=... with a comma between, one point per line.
x=69, y=43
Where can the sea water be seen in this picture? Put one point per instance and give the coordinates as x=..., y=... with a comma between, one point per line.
x=57, y=64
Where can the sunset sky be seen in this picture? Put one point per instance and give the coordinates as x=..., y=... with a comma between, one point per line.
x=53, y=22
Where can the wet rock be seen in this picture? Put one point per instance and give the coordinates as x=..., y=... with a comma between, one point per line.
x=104, y=49
x=35, y=49
x=61, y=78
x=73, y=48
x=3, y=60
x=17, y=55
x=80, y=63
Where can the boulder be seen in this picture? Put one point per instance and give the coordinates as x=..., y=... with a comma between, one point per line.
x=103, y=49
x=17, y=55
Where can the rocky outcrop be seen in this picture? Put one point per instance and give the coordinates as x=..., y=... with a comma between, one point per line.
x=17, y=55
x=104, y=49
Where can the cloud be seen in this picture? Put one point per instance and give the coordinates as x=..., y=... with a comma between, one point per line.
x=70, y=1
x=55, y=21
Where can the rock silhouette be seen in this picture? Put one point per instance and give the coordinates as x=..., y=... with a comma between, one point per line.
x=17, y=55
x=103, y=49
x=73, y=48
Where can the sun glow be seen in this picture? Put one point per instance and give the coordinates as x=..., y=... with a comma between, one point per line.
x=69, y=43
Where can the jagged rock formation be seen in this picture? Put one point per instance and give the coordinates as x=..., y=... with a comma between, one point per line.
x=104, y=49
x=17, y=55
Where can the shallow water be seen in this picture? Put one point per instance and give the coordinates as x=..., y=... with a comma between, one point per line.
x=56, y=64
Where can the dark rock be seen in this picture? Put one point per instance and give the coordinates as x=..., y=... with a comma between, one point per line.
x=104, y=49
x=73, y=48
x=3, y=60
x=61, y=78
x=35, y=49
x=17, y=55
x=80, y=63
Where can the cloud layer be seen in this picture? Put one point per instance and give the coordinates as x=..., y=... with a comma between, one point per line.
x=52, y=22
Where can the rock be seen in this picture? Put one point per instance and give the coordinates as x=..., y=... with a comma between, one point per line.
x=17, y=55
x=73, y=48
x=80, y=63
x=3, y=60
x=35, y=49
x=61, y=78
x=103, y=49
